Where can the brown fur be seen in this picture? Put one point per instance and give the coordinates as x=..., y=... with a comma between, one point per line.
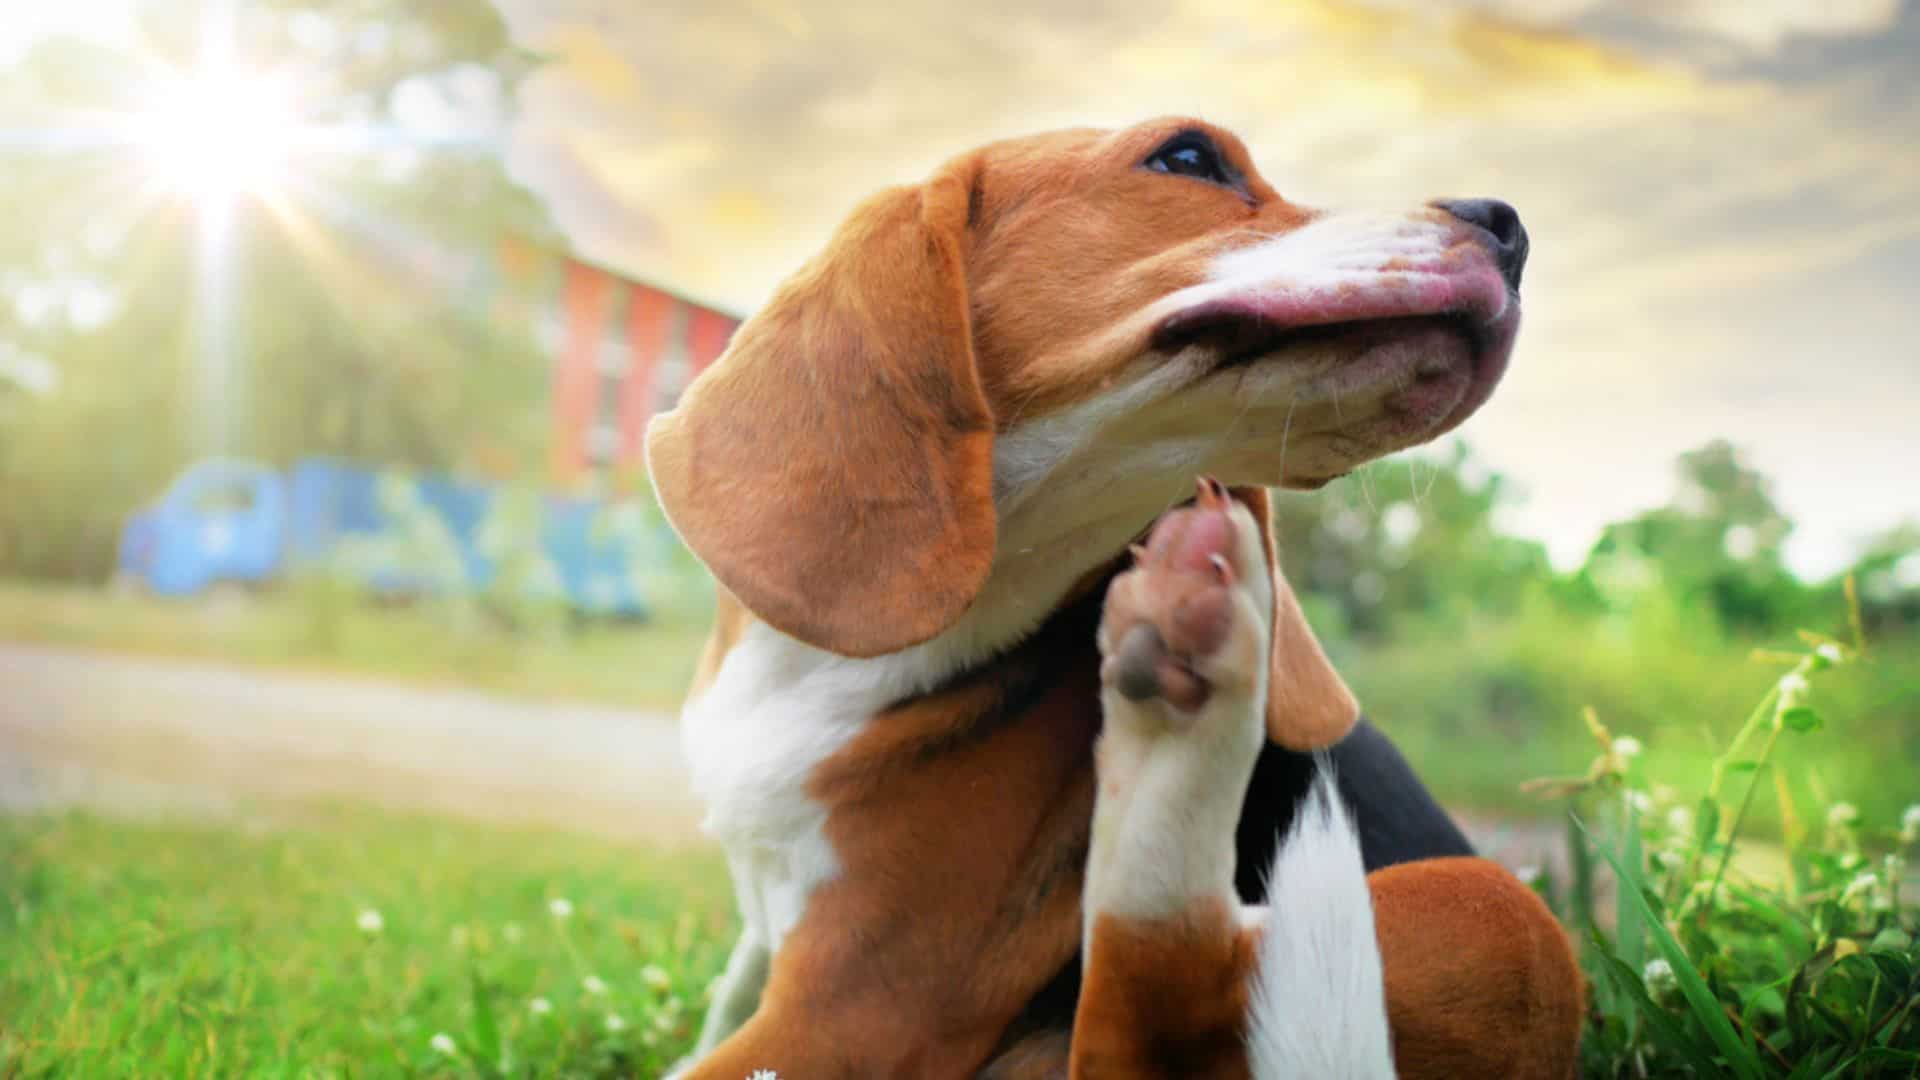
x=1165, y=998
x=846, y=498
x=1481, y=980
x=960, y=819
x=834, y=470
x=1308, y=703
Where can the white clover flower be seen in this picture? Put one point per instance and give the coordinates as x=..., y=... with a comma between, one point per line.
x=1658, y=975
x=1639, y=802
x=1528, y=874
x=1680, y=821
x=763, y=1074
x=1910, y=825
x=1860, y=885
x=1626, y=748
x=616, y=1022
x=539, y=1006
x=1671, y=859
x=593, y=984
x=561, y=907
x=656, y=976
x=1830, y=653
x=1793, y=686
x=370, y=922
x=1842, y=815
x=442, y=1043
x=513, y=933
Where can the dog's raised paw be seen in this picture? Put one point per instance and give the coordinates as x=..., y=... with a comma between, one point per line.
x=1173, y=622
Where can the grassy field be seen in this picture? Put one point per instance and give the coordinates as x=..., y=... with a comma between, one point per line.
x=340, y=942
x=642, y=666
x=1480, y=706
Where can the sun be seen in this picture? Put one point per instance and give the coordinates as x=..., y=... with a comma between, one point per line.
x=217, y=132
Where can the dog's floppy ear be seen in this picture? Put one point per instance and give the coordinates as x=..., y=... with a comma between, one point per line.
x=834, y=469
x=1308, y=703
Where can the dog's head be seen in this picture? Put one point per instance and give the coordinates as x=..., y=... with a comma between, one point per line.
x=1034, y=351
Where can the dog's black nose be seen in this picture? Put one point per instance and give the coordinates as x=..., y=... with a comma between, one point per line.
x=1502, y=222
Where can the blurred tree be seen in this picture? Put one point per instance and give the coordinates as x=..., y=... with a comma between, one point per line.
x=1718, y=543
x=362, y=315
x=1888, y=578
x=1375, y=548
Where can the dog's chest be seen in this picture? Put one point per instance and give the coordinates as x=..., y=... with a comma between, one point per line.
x=754, y=739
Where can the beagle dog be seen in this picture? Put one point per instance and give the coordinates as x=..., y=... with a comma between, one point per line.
x=994, y=798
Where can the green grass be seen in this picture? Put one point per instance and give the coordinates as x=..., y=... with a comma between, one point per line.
x=221, y=950
x=224, y=950
x=1481, y=705
x=642, y=666
x=1705, y=969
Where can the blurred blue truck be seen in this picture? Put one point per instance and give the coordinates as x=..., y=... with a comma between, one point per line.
x=226, y=521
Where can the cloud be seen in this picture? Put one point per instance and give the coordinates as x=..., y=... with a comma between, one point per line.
x=1757, y=26
x=1718, y=247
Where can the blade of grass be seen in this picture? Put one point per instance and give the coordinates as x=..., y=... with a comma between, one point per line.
x=1630, y=929
x=1671, y=1038
x=1706, y=1008
x=486, y=1028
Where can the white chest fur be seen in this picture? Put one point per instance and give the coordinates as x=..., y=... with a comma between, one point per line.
x=776, y=709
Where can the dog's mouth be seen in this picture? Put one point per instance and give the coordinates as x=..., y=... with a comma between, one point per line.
x=1433, y=367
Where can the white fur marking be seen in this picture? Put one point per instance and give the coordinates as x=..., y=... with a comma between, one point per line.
x=1319, y=1001
x=1171, y=785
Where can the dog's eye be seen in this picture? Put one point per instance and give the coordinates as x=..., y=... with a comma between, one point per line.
x=1190, y=154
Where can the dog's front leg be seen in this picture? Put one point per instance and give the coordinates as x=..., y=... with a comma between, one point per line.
x=1184, y=681
x=1171, y=955
x=737, y=993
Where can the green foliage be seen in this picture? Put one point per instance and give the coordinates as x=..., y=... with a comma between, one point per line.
x=1717, y=544
x=1721, y=961
x=1406, y=538
x=366, y=321
x=344, y=942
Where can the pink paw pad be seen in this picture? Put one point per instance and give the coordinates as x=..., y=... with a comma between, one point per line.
x=1175, y=605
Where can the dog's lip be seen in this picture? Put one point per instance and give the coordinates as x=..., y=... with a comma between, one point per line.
x=1245, y=325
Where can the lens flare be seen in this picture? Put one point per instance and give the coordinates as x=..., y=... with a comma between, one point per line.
x=218, y=132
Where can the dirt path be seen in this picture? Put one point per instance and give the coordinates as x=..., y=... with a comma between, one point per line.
x=146, y=736
x=167, y=736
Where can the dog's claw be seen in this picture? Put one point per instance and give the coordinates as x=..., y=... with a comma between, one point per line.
x=1212, y=494
x=1172, y=611
x=1222, y=568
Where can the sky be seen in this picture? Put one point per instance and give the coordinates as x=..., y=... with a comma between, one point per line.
x=1723, y=195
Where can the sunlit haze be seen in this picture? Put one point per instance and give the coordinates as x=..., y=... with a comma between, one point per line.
x=216, y=132
x=1724, y=199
